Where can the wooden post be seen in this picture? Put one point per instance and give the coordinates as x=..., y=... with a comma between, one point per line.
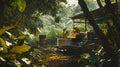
x=42, y=39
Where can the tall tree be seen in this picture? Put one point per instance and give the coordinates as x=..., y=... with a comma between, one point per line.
x=111, y=24
x=105, y=43
x=92, y=22
x=19, y=11
x=111, y=11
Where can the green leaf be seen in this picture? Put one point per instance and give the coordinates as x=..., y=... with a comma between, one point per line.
x=14, y=4
x=3, y=44
x=20, y=49
x=21, y=5
x=22, y=37
x=2, y=31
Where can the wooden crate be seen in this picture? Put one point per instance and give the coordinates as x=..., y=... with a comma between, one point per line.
x=63, y=42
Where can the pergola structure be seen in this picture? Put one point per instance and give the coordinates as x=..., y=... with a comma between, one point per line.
x=98, y=15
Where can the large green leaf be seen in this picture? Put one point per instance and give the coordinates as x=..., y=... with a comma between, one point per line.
x=2, y=31
x=21, y=5
x=20, y=49
x=3, y=44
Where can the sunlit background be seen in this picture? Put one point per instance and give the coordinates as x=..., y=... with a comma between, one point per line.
x=69, y=2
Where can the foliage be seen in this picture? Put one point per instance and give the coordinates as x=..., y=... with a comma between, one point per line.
x=20, y=49
x=111, y=25
x=2, y=31
x=18, y=12
x=3, y=45
x=2, y=42
x=21, y=14
x=52, y=36
x=21, y=5
x=9, y=53
x=13, y=55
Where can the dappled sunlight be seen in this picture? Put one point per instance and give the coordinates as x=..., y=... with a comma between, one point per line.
x=59, y=33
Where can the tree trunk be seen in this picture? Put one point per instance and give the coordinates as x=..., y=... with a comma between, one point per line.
x=112, y=12
x=102, y=37
x=115, y=39
x=99, y=3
